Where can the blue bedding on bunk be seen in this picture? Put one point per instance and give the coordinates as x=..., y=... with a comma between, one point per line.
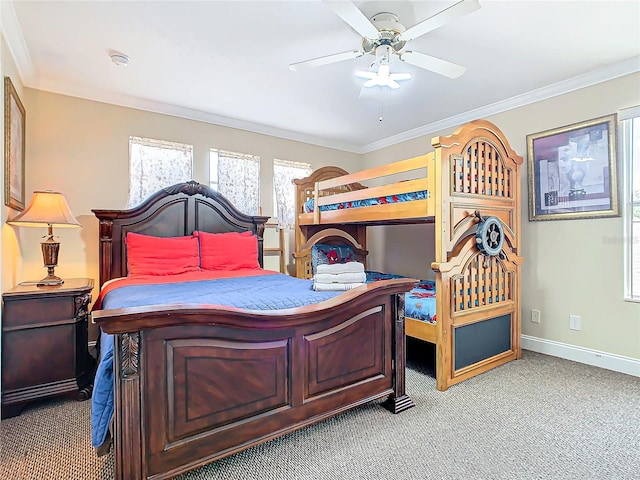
x=262, y=292
x=402, y=197
x=419, y=302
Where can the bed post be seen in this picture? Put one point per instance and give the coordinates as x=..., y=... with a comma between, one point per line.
x=128, y=413
x=478, y=293
x=106, y=236
x=306, y=189
x=259, y=226
x=399, y=400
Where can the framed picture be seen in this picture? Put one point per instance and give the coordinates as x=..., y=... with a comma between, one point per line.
x=14, y=146
x=572, y=171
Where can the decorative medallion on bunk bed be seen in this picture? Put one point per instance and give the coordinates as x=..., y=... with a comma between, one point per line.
x=489, y=235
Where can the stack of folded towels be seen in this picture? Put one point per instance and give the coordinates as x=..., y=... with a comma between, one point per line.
x=339, y=276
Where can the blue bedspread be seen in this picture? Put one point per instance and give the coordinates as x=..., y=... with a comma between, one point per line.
x=262, y=292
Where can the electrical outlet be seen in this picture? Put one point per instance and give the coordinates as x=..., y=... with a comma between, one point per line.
x=535, y=315
x=575, y=322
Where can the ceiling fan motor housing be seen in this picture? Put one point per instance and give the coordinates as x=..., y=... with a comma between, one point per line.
x=390, y=28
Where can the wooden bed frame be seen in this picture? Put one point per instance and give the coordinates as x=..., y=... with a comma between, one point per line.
x=195, y=383
x=471, y=174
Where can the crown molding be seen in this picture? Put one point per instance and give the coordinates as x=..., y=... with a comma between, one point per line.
x=615, y=70
x=12, y=33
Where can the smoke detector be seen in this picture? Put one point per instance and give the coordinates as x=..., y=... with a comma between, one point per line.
x=120, y=59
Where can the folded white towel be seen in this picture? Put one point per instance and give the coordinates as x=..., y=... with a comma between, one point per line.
x=335, y=287
x=349, y=267
x=349, y=277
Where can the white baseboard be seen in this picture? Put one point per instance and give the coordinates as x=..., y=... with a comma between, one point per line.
x=610, y=361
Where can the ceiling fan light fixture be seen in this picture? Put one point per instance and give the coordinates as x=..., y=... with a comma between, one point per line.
x=365, y=75
x=387, y=82
x=382, y=78
x=401, y=76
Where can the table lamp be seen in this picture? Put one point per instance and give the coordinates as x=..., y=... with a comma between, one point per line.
x=50, y=209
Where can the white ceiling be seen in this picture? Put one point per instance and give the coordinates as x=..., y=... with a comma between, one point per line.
x=227, y=61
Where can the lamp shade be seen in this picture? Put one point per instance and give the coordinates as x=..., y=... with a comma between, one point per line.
x=46, y=208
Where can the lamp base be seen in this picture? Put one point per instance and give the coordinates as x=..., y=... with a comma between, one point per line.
x=50, y=280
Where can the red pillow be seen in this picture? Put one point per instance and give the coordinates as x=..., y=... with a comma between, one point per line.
x=147, y=255
x=228, y=251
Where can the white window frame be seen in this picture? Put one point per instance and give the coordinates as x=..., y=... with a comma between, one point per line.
x=305, y=170
x=243, y=206
x=630, y=146
x=181, y=151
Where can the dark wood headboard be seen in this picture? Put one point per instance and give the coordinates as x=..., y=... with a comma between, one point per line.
x=174, y=211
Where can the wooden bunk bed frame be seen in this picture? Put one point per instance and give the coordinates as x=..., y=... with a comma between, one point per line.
x=471, y=174
x=195, y=383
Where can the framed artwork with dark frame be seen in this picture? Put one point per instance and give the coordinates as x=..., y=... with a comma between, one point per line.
x=572, y=171
x=14, y=147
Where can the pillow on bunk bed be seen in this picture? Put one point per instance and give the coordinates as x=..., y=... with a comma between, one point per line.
x=149, y=255
x=228, y=251
x=330, y=254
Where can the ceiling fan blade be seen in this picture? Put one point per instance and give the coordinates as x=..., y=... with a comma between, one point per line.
x=437, y=65
x=348, y=12
x=457, y=10
x=318, y=62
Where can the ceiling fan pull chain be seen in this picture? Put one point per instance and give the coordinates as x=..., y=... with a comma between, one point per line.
x=380, y=103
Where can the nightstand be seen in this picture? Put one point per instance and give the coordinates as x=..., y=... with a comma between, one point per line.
x=44, y=343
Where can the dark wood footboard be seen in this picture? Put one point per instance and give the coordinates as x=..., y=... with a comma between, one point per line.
x=194, y=384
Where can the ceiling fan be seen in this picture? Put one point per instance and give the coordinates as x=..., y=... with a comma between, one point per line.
x=383, y=35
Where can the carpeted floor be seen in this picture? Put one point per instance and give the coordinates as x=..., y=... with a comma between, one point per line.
x=538, y=418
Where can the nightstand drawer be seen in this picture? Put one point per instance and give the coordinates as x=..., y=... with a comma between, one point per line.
x=48, y=361
x=37, y=311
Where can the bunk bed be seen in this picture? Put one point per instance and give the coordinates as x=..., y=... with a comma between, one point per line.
x=195, y=382
x=469, y=188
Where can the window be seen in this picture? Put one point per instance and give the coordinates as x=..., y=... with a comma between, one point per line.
x=284, y=190
x=237, y=177
x=631, y=204
x=155, y=164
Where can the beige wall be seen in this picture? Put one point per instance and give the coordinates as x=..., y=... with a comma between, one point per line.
x=571, y=266
x=80, y=148
x=11, y=256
